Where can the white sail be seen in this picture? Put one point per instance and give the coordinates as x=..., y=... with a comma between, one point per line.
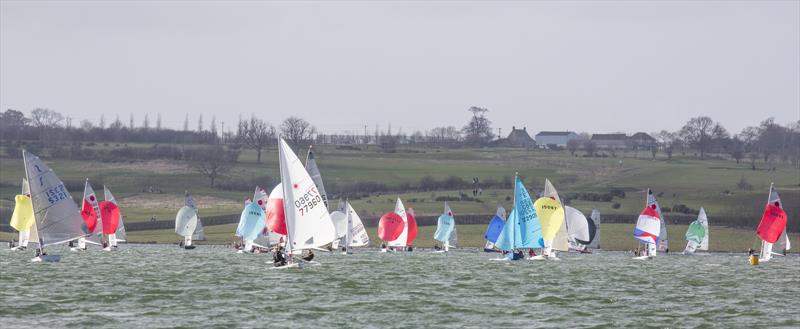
x=260, y=196
x=595, y=217
x=316, y=176
x=199, y=234
x=357, y=233
x=403, y=238
x=578, y=227
x=58, y=219
x=186, y=221
x=561, y=240
x=340, y=223
x=307, y=220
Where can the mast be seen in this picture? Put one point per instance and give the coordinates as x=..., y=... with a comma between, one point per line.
x=286, y=197
x=347, y=236
x=514, y=205
x=28, y=178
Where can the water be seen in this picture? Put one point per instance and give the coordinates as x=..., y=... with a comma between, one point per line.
x=164, y=286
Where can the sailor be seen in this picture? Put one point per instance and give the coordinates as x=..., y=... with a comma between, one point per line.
x=518, y=255
x=278, y=259
x=309, y=256
x=410, y=248
x=531, y=252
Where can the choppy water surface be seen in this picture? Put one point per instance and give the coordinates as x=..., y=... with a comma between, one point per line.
x=164, y=286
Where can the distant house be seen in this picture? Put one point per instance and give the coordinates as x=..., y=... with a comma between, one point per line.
x=519, y=138
x=608, y=141
x=642, y=141
x=557, y=138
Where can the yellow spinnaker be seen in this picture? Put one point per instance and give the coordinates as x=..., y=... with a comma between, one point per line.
x=551, y=215
x=22, y=219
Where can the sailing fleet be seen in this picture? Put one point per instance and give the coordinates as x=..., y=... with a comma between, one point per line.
x=293, y=221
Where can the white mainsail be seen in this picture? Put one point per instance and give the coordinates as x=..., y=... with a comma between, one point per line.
x=561, y=241
x=58, y=219
x=307, y=220
x=357, y=233
x=595, y=217
x=316, y=176
x=403, y=238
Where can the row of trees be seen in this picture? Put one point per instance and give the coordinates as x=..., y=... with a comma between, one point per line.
x=701, y=135
x=54, y=130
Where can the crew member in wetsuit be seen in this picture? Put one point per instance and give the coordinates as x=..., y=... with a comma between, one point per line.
x=518, y=255
x=309, y=256
x=278, y=259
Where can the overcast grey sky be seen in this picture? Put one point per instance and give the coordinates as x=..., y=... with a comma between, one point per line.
x=581, y=65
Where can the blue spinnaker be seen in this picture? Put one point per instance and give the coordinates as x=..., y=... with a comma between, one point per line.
x=444, y=228
x=253, y=221
x=493, y=230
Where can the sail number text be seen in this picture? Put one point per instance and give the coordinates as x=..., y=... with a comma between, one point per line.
x=308, y=201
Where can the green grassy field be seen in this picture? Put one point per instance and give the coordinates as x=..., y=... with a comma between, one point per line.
x=687, y=181
x=711, y=183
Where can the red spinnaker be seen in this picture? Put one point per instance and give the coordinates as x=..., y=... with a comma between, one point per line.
x=412, y=227
x=276, y=219
x=110, y=214
x=89, y=216
x=390, y=226
x=772, y=224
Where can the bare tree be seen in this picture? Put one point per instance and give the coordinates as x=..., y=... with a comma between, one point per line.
x=46, y=120
x=146, y=123
x=297, y=131
x=130, y=123
x=158, y=122
x=590, y=147
x=200, y=123
x=698, y=133
x=667, y=140
x=102, y=121
x=478, y=130
x=214, y=125
x=255, y=134
x=212, y=161
x=186, y=123
x=572, y=146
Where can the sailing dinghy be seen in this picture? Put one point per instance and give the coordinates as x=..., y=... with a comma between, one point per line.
x=522, y=229
x=356, y=235
x=390, y=226
x=493, y=230
x=187, y=222
x=581, y=229
x=401, y=241
x=697, y=234
x=553, y=220
x=648, y=228
x=445, y=228
x=23, y=220
x=772, y=226
x=307, y=220
x=119, y=235
x=58, y=219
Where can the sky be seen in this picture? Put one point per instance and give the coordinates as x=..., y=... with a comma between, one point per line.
x=585, y=66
